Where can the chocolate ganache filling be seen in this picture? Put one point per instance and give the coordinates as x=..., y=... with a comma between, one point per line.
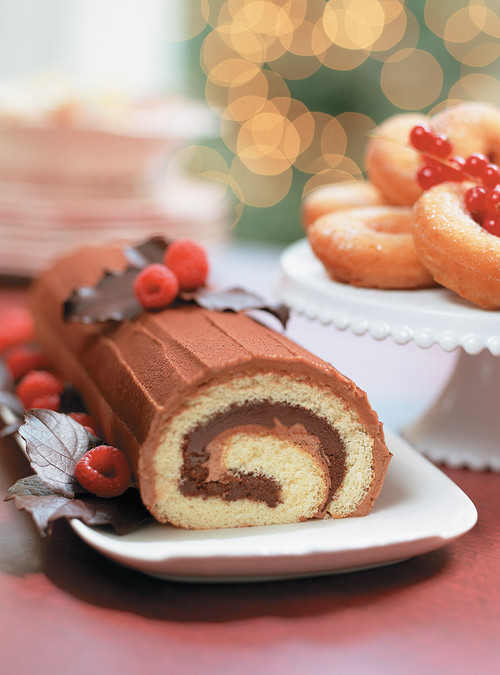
x=234, y=486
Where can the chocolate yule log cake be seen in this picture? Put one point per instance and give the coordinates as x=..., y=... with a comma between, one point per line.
x=225, y=422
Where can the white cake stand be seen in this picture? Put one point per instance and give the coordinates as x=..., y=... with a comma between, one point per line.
x=462, y=428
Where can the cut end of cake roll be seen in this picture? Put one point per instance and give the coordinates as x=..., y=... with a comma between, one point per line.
x=226, y=422
x=264, y=448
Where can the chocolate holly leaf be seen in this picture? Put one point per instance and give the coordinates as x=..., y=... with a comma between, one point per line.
x=122, y=514
x=150, y=251
x=31, y=485
x=54, y=444
x=111, y=299
x=236, y=300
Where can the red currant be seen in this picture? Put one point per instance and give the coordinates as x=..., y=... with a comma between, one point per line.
x=492, y=201
x=454, y=169
x=441, y=146
x=421, y=137
x=492, y=225
x=104, y=471
x=429, y=175
x=156, y=286
x=474, y=199
x=475, y=165
x=490, y=176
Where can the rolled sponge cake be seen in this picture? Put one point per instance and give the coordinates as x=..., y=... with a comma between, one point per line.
x=225, y=422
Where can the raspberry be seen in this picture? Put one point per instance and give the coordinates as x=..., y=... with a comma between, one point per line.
x=188, y=260
x=23, y=358
x=104, y=471
x=37, y=383
x=47, y=401
x=16, y=326
x=86, y=421
x=156, y=286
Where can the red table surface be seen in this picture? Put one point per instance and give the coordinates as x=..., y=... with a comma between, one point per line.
x=65, y=608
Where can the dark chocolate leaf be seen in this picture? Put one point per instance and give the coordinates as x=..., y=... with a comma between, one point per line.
x=236, y=300
x=31, y=485
x=111, y=299
x=123, y=513
x=149, y=251
x=54, y=444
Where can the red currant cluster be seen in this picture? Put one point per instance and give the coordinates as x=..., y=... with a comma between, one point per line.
x=185, y=267
x=482, y=200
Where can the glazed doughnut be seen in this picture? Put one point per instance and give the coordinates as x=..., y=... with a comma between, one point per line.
x=371, y=247
x=338, y=197
x=390, y=162
x=461, y=255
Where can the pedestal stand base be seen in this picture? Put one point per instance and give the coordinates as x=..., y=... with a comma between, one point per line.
x=462, y=428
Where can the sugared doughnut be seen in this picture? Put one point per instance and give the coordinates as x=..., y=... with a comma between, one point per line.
x=392, y=165
x=390, y=162
x=471, y=127
x=460, y=253
x=338, y=197
x=370, y=246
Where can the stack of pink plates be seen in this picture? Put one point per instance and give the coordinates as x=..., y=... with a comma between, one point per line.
x=61, y=188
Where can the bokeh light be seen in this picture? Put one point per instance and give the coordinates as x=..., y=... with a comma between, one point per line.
x=257, y=54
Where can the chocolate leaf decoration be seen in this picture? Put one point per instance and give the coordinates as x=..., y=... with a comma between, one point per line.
x=54, y=444
x=149, y=251
x=236, y=300
x=123, y=513
x=31, y=485
x=111, y=299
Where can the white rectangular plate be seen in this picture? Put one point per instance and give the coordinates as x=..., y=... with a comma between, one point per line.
x=419, y=509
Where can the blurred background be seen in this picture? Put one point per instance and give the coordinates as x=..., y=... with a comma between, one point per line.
x=250, y=104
